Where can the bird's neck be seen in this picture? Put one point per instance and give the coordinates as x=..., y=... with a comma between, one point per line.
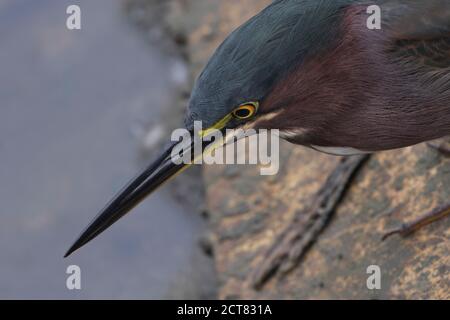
x=358, y=95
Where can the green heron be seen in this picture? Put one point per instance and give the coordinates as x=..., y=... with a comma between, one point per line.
x=314, y=70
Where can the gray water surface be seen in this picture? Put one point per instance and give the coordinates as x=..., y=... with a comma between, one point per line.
x=68, y=101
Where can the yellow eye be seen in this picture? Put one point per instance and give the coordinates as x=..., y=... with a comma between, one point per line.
x=245, y=111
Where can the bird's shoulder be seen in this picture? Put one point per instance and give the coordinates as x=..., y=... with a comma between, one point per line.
x=417, y=19
x=419, y=30
x=432, y=53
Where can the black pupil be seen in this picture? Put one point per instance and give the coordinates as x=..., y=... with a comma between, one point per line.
x=243, y=113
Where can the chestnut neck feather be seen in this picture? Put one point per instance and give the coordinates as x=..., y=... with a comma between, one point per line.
x=362, y=94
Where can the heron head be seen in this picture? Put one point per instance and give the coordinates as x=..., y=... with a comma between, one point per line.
x=229, y=93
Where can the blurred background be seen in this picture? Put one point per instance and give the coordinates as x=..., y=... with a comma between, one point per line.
x=81, y=112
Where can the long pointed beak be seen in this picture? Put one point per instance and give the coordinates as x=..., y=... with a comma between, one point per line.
x=161, y=170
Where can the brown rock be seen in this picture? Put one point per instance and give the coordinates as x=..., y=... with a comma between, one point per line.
x=249, y=211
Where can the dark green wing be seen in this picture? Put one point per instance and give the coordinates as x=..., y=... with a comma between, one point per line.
x=420, y=30
x=434, y=53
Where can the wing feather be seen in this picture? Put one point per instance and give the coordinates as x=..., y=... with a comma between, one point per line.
x=420, y=30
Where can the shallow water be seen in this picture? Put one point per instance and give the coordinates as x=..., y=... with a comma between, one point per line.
x=68, y=103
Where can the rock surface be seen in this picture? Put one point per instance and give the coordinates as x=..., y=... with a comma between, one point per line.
x=249, y=211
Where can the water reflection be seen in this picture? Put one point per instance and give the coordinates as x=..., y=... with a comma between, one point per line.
x=68, y=102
